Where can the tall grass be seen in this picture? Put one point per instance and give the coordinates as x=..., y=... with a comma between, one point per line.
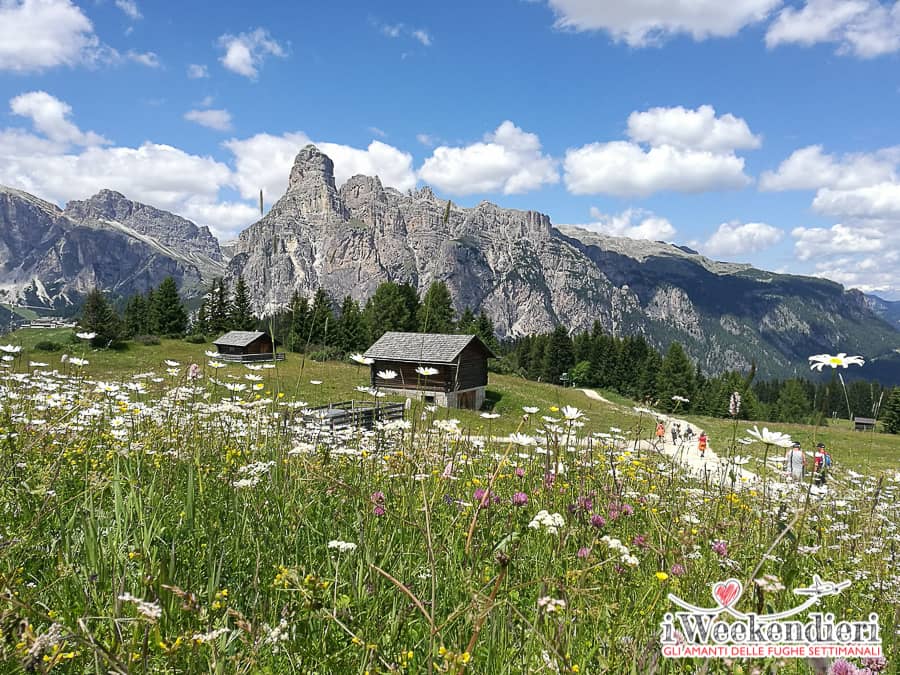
x=174, y=526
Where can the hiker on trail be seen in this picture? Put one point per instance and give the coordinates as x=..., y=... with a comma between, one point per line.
x=660, y=432
x=676, y=432
x=822, y=462
x=689, y=433
x=702, y=440
x=795, y=462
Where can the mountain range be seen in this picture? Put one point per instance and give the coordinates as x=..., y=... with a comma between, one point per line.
x=524, y=272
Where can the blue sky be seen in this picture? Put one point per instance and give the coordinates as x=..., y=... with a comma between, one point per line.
x=761, y=131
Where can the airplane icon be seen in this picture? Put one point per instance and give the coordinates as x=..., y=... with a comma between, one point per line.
x=821, y=589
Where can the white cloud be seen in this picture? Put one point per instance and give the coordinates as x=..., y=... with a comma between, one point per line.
x=220, y=120
x=864, y=28
x=45, y=164
x=814, y=242
x=196, y=71
x=50, y=116
x=265, y=161
x=427, y=140
x=245, y=53
x=632, y=223
x=381, y=133
x=879, y=201
x=392, y=166
x=154, y=173
x=508, y=160
x=626, y=169
x=396, y=30
x=870, y=274
x=392, y=30
x=698, y=129
x=149, y=59
x=422, y=36
x=40, y=34
x=130, y=8
x=736, y=239
x=640, y=23
x=811, y=168
x=862, y=192
x=689, y=151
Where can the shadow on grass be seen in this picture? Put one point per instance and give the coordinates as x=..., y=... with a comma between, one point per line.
x=491, y=398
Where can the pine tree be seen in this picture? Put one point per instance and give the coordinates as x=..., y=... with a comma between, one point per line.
x=792, y=405
x=466, y=323
x=387, y=310
x=321, y=319
x=558, y=357
x=201, y=323
x=484, y=328
x=298, y=333
x=604, y=355
x=646, y=386
x=435, y=313
x=136, y=317
x=99, y=317
x=890, y=416
x=241, y=311
x=580, y=376
x=411, y=299
x=171, y=317
x=351, y=331
x=539, y=344
x=151, y=325
x=676, y=378
x=219, y=308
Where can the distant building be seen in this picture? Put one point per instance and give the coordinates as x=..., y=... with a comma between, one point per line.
x=460, y=362
x=863, y=424
x=247, y=346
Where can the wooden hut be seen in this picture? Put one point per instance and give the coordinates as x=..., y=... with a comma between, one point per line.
x=454, y=366
x=247, y=346
x=863, y=424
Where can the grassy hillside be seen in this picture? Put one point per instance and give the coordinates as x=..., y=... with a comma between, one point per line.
x=864, y=452
x=294, y=377
x=155, y=528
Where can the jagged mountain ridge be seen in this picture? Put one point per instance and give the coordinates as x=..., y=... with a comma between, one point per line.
x=515, y=265
x=51, y=258
x=529, y=276
x=889, y=310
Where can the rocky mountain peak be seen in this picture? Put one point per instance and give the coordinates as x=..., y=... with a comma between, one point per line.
x=111, y=209
x=312, y=168
x=311, y=188
x=105, y=204
x=425, y=192
x=11, y=195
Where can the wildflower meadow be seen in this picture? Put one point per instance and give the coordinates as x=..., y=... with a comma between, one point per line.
x=198, y=517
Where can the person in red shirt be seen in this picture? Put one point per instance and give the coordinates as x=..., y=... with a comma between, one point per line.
x=701, y=443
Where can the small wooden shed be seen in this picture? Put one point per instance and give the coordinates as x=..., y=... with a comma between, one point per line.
x=863, y=424
x=247, y=346
x=455, y=366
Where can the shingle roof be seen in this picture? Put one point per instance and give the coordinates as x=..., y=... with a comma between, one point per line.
x=239, y=338
x=422, y=347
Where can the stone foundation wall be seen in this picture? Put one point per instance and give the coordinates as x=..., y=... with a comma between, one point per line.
x=445, y=399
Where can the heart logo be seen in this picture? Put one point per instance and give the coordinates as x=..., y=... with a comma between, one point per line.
x=726, y=593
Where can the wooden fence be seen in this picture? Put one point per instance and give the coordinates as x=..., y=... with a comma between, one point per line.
x=250, y=358
x=356, y=414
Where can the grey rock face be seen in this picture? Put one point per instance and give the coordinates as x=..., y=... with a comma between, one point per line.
x=112, y=210
x=529, y=276
x=48, y=259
